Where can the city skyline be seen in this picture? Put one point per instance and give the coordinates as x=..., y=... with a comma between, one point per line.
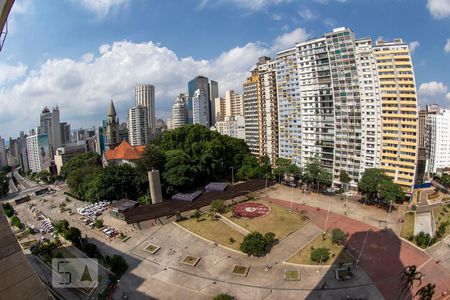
x=73, y=72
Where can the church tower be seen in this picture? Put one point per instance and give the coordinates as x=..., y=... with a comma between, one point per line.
x=112, y=127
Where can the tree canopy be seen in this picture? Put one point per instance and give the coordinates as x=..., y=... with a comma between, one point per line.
x=256, y=243
x=4, y=184
x=89, y=159
x=374, y=183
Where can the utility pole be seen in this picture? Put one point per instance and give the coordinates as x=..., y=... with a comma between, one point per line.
x=232, y=175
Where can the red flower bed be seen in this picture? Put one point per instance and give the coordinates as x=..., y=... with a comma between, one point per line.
x=251, y=210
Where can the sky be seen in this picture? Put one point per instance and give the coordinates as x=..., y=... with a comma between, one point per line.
x=79, y=54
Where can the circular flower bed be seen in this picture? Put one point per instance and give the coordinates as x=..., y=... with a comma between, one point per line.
x=251, y=210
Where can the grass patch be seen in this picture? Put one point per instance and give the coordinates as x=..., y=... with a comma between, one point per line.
x=408, y=225
x=291, y=275
x=152, y=248
x=240, y=270
x=337, y=253
x=442, y=215
x=123, y=237
x=279, y=221
x=24, y=234
x=190, y=260
x=214, y=230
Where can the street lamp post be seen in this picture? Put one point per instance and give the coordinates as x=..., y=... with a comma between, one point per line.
x=232, y=175
x=292, y=198
x=328, y=215
x=389, y=213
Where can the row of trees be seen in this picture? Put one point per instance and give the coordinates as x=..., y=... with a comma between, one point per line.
x=4, y=184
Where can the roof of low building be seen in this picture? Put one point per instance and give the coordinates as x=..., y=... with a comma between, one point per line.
x=124, y=204
x=125, y=151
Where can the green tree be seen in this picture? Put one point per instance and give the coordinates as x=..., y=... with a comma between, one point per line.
x=98, y=223
x=369, y=185
x=116, y=263
x=316, y=175
x=217, y=207
x=6, y=169
x=338, y=236
x=426, y=292
x=391, y=192
x=4, y=184
x=344, y=178
x=73, y=235
x=179, y=173
x=320, y=255
x=254, y=244
x=408, y=276
x=91, y=250
x=8, y=209
x=89, y=159
x=324, y=178
x=269, y=237
x=223, y=297
x=61, y=226
x=144, y=200
x=15, y=221
x=445, y=180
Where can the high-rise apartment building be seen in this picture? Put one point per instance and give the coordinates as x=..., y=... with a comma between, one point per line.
x=289, y=106
x=65, y=133
x=50, y=125
x=399, y=111
x=219, y=109
x=145, y=96
x=439, y=140
x=137, y=125
x=180, y=111
x=251, y=99
x=233, y=126
x=369, y=86
x=200, y=108
x=342, y=100
x=213, y=94
x=233, y=104
x=267, y=108
x=38, y=151
x=2, y=152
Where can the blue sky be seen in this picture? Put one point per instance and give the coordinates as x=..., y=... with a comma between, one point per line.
x=80, y=53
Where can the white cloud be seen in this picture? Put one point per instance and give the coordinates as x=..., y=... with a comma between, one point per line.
x=306, y=14
x=432, y=88
x=101, y=7
x=289, y=39
x=11, y=73
x=82, y=88
x=439, y=9
x=447, y=46
x=328, y=1
x=252, y=5
x=413, y=46
x=447, y=96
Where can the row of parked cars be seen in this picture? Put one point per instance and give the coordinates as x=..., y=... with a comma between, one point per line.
x=110, y=232
x=93, y=210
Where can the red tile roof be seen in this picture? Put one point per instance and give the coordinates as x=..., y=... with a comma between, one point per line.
x=125, y=151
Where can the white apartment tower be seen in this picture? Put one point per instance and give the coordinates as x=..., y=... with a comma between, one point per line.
x=233, y=126
x=179, y=111
x=251, y=100
x=137, y=125
x=200, y=108
x=145, y=96
x=219, y=109
x=370, y=105
x=439, y=140
x=314, y=109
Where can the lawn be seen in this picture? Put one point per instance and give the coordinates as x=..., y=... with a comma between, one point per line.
x=279, y=221
x=441, y=215
x=337, y=253
x=408, y=225
x=152, y=248
x=214, y=230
